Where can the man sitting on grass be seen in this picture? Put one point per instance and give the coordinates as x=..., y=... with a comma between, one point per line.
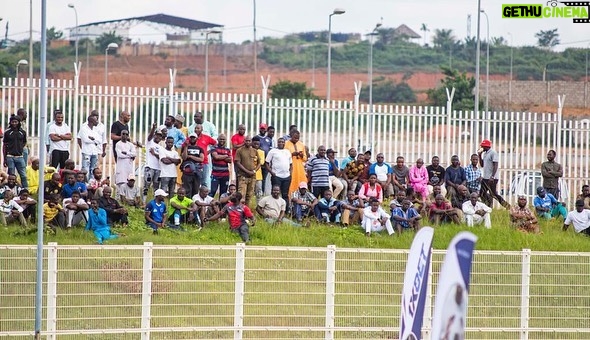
x=53, y=214
x=580, y=218
x=477, y=212
x=303, y=202
x=328, y=208
x=155, y=211
x=11, y=211
x=272, y=208
x=405, y=217
x=76, y=210
x=28, y=204
x=98, y=223
x=522, y=217
x=375, y=219
x=128, y=194
x=115, y=212
x=206, y=205
x=547, y=205
x=237, y=214
x=182, y=209
x=351, y=209
x=441, y=211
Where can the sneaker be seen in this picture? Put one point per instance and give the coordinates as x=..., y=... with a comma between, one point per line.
x=155, y=232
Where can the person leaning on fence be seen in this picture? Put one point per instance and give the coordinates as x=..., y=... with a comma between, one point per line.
x=580, y=218
x=522, y=218
x=98, y=223
x=237, y=214
x=375, y=219
x=547, y=206
x=11, y=211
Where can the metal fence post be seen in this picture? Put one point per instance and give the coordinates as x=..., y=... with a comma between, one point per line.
x=330, y=290
x=427, y=326
x=51, y=290
x=239, y=291
x=525, y=294
x=146, y=290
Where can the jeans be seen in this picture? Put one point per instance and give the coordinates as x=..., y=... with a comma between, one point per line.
x=18, y=162
x=150, y=177
x=299, y=212
x=206, y=176
x=220, y=183
x=89, y=163
x=191, y=183
x=26, y=156
x=168, y=184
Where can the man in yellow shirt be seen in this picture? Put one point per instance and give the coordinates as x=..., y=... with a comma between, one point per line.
x=261, y=157
x=32, y=172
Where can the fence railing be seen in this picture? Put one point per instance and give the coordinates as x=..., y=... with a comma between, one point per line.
x=239, y=292
x=521, y=138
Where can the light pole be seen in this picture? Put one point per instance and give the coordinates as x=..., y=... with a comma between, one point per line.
x=76, y=13
x=477, y=55
x=20, y=62
x=337, y=11
x=372, y=120
x=587, y=62
x=487, y=61
x=207, y=57
x=511, y=60
x=106, y=62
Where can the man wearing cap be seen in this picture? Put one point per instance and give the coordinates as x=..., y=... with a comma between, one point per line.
x=318, y=172
x=488, y=160
x=15, y=140
x=155, y=211
x=580, y=218
x=265, y=145
x=128, y=194
x=91, y=143
x=303, y=202
x=551, y=172
x=522, y=217
x=337, y=183
x=192, y=165
x=547, y=205
x=178, y=123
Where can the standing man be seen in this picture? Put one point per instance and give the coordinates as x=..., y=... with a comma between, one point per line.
x=318, y=172
x=488, y=160
x=208, y=127
x=247, y=163
x=117, y=127
x=220, y=161
x=205, y=142
x=91, y=143
x=265, y=145
x=174, y=132
x=22, y=115
x=238, y=140
x=14, y=141
x=279, y=165
x=60, y=136
x=192, y=165
x=551, y=172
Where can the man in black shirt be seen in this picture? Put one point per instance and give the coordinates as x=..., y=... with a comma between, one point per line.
x=115, y=212
x=117, y=127
x=436, y=174
x=52, y=187
x=14, y=142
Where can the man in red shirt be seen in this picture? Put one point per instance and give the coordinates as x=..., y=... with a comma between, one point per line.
x=442, y=211
x=237, y=140
x=204, y=142
x=237, y=214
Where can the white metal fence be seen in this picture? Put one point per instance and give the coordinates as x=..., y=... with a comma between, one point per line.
x=224, y=292
x=521, y=138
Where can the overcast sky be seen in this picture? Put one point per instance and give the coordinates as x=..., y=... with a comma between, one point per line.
x=279, y=17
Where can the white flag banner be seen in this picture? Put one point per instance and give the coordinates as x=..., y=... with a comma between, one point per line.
x=415, y=282
x=450, y=309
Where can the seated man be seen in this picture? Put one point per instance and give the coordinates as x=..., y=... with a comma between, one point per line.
x=522, y=217
x=454, y=176
x=115, y=212
x=547, y=206
x=351, y=209
x=98, y=223
x=399, y=198
x=182, y=209
x=52, y=187
x=76, y=210
x=375, y=219
x=155, y=211
x=328, y=208
x=272, y=208
x=303, y=202
x=10, y=185
x=72, y=185
x=96, y=183
x=129, y=194
x=441, y=211
x=405, y=217
x=459, y=199
x=32, y=172
x=28, y=204
x=53, y=214
x=81, y=180
x=580, y=218
x=225, y=197
x=477, y=212
x=11, y=211
x=207, y=206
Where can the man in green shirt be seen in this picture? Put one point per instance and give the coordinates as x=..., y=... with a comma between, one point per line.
x=182, y=209
x=551, y=172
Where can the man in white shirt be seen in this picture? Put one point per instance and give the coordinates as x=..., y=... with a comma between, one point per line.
x=91, y=142
x=206, y=205
x=169, y=161
x=476, y=212
x=76, y=210
x=279, y=164
x=580, y=219
x=375, y=219
x=151, y=172
x=60, y=136
x=272, y=208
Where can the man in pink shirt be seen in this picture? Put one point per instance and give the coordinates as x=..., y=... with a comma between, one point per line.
x=419, y=178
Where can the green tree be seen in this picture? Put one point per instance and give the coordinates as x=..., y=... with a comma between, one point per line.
x=106, y=38
x=548, y=38
x=386, y=91
x=443, y=39
x=424, y=29
x=291, y=90
x=54, y=34
x=464, y=87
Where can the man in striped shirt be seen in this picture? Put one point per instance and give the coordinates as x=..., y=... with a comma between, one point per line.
x=318, y=172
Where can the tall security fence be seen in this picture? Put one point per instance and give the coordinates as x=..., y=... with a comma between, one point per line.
x=521, y=138
x=239, y=292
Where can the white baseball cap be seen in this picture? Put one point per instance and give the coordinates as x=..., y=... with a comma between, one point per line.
x=160, y=192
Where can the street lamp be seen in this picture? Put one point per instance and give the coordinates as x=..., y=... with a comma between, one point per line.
x=76, y=12
x=511, y=60
x=371, y=35
x=336, y=11
x=207, y=57
x=20, y=62
x=587, y=61
x=477, y=54
x=113, y=46
x=487, y=60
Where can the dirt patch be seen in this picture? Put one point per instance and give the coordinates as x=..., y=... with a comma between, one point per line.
x=126, y=278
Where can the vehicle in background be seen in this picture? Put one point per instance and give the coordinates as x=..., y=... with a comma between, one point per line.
x=526, y=183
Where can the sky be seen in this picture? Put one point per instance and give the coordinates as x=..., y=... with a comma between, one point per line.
x=279, y=17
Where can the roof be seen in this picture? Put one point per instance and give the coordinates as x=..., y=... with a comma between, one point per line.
x=163, y=19
x=408, y=32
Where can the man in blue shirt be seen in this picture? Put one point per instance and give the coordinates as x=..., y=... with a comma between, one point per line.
x=547, y=206
x=71, y=186
x=155, y=211
x=174, y=132
x=328, y=208
x=97, y=222
x=384, y=173
x=405, y=217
